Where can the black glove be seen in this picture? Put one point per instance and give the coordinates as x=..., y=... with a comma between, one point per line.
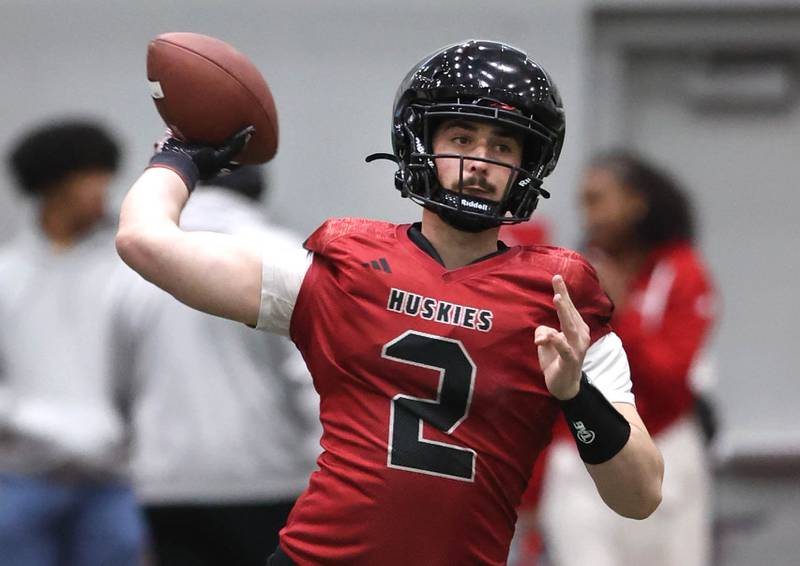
x=195, y=162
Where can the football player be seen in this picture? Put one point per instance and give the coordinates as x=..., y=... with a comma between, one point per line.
x=442, y=357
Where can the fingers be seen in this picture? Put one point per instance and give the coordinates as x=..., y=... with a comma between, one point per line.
x=572, y=324
x=237, y=142
x=546, y=336
x=560, y=287
x=159, y=143
x=542, y=334
x=564, y=307
x=244, y=135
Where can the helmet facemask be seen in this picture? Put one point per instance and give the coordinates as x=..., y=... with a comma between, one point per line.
x=485, y=81
x=418, y=179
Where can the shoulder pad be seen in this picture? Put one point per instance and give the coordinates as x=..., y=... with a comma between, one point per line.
x=335, y=228
x=555, y=259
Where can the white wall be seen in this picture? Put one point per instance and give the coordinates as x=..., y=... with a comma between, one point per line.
x=333, y=68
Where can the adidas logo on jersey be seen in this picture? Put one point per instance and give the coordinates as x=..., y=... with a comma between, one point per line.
x=379, y=264
x=428, y=308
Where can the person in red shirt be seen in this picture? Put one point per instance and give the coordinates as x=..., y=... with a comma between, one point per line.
x=639, y=235
x=442, y=356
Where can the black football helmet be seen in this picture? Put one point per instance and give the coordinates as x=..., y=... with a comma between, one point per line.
x=480, y=80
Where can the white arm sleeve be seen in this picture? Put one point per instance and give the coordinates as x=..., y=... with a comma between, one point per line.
x=606, y=366
x=282, y=273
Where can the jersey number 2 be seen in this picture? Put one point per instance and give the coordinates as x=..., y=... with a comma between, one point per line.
x=408, y=450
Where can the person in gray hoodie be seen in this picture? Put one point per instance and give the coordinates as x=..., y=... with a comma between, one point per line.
x=226, y=419
x=65, y=492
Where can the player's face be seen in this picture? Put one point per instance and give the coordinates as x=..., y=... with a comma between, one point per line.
x=82, y=198
x=610, y=210
x=472, y=138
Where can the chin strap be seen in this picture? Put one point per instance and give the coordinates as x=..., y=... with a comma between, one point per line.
x=469, y=223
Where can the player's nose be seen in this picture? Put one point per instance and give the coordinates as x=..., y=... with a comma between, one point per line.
x=480, y=151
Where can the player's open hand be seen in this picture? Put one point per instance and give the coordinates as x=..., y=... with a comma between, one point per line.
x=561, y=353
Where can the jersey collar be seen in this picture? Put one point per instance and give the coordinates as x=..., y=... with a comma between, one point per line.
x=418, y=239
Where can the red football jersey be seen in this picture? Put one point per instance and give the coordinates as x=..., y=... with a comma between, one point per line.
x=433, y=404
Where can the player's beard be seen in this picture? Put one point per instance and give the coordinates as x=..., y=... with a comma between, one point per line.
x=476, y=181
x=464, y=221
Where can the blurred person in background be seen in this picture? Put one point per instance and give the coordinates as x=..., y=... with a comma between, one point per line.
x=226, y=419
x=65, y=493
x=639, y=235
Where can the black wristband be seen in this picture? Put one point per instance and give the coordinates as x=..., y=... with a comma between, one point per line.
x=600, y=431
x=181, y=163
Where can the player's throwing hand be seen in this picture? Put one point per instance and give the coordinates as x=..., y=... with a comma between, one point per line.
x=561, y=353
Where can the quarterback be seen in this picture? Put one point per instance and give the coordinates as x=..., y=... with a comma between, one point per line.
x=442, y=356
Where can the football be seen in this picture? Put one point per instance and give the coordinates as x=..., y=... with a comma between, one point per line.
x=206, y=91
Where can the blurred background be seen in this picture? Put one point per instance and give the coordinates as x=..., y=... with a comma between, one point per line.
x=706, y=89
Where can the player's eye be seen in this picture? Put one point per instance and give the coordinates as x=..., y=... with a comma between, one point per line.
x=461, y=140
x=506, y=145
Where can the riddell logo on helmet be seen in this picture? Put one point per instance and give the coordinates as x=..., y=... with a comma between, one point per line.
x=476, y=205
